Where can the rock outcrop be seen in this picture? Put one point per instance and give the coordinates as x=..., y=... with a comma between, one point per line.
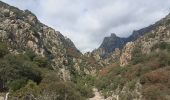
x=126, y=54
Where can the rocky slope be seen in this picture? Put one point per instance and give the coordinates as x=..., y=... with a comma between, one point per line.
x=133, y=68
x=142, y=67
x=112, y=42
x=21, y=32
x=160, y=33
x=121, y=48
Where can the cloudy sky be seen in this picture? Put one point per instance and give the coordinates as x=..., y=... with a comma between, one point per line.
x=87, y=22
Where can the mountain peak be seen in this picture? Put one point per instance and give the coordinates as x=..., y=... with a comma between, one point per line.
x=113, y=35
x=112, y=42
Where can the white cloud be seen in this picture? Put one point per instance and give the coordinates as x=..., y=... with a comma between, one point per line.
x=87, y=22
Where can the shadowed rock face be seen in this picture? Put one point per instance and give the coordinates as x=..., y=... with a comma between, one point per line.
x=110, y=43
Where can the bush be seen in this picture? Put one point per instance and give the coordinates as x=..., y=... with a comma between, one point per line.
x=17, y=84
x=137, y=56
x=41, y=61
x=3, y=49
x=16, y=70
x=30, y=54
x=154, y=92
x=158, y=76
x=58, y=90
x=30, y=89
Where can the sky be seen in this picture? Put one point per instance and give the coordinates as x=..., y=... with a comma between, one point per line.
x=87, y=22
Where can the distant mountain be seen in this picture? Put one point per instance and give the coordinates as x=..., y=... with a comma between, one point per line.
x=112, y=42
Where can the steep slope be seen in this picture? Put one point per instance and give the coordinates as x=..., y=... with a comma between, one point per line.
x=143, y=71
x=40, y=53
x=21, y=30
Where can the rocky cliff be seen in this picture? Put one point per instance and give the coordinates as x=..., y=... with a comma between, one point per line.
x=112, y=42
x=109, y=44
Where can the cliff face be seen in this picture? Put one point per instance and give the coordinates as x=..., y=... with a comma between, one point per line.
x=109, y=44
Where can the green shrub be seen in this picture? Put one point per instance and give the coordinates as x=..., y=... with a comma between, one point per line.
x=17, y=84
x=161, y=46
x=16, y=70
x=41, y=61
x=137, y=56
x=3, y=49
x=30, y=54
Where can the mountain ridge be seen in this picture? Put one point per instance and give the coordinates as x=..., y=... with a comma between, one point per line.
x=39, y=63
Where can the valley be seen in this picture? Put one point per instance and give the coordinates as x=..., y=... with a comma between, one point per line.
x=39, y=63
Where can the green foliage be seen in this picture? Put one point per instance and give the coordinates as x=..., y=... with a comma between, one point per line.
x=84, y=85
x=57, y=89
x=29, y=88
x=162, y=46
x=61, y=91
x=111, y=81
x=17, y=84
x=137, y=56
x=16, y=70
x=30, y=54
x=41, y=61
x=3, y=49
x=132, y=84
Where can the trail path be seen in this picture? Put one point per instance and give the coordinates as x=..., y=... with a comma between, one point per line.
x=97, y=96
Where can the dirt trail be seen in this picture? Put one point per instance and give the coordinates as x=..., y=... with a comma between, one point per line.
x=97, y=96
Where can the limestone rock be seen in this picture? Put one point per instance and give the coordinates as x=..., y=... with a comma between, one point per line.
x=126, y=55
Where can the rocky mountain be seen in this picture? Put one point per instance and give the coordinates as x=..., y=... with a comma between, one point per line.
x=142, y=71
x=39, y=63
x=43, y=56
x=112, y=42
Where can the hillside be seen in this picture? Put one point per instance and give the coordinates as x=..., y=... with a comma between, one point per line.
x=142, y=71
x=39, y=63
x=33, y=54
